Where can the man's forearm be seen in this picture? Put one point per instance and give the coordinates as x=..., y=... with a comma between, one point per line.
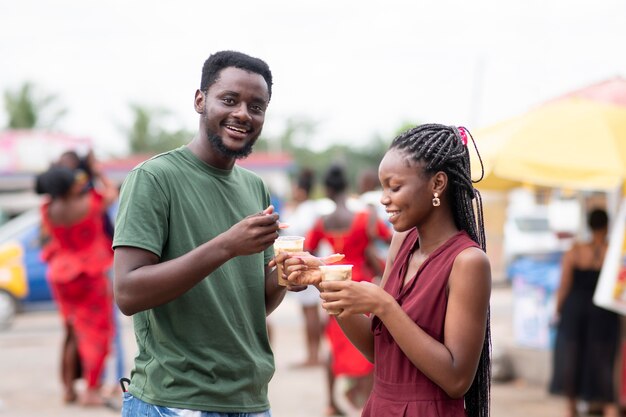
x=274, y=293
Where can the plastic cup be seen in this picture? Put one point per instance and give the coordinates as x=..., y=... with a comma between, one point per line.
x=336, y=273
x=287, y=244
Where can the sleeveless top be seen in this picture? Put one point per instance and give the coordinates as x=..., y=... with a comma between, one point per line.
x=80, y=248
x=352, y=242
x=400, y=389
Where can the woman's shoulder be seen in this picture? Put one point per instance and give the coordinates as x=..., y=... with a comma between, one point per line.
x=472, y=256
x=578, y=248
x=97, y=201
x=471, y=262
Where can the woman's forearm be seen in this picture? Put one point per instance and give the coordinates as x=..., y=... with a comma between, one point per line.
x=358, y=329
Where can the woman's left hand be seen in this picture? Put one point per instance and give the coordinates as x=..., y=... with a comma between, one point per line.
x=353, y=297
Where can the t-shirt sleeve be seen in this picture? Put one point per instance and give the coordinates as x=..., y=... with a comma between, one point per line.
x=142, y=219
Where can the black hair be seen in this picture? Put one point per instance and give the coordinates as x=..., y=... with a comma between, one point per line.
x=305, y=180
x=368, y=180
x=72, y=160
x=70, y=156
x=597, y=219
x=444, y=148
x=225, y=59
x=335, y=179
x=56, y=181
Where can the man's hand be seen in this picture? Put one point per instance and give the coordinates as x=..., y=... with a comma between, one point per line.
x=302, y=268
x=253, y=234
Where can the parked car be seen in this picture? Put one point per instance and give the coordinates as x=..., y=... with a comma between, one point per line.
x=22, y=272
x=12, y=281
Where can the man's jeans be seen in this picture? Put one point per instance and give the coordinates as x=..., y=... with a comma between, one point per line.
x=134, y=407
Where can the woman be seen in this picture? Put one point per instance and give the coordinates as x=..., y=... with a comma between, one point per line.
x=587, y=336
x=348, y=233
x=426, y=328
x=79, y=254
x=300, y=216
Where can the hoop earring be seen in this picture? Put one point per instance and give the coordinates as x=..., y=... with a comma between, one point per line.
x=436, y=200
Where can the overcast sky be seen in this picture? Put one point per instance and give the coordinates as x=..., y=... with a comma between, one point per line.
x=356, y=68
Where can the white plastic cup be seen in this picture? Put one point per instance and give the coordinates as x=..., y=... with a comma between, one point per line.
x=287, y=244
x=336, y=273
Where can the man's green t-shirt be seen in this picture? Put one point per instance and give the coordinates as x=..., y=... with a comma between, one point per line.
x=208, y=349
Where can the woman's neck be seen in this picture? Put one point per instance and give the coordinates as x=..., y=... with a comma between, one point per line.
x=431, y=238
x=340, y=199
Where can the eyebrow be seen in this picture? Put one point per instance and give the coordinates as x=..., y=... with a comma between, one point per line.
x=255, y=99
x=387, y=179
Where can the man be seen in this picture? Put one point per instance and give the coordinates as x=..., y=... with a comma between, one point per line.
x=193, y=240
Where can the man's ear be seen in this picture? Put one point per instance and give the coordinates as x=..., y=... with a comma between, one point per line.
x=440, y=183
x=198, y=102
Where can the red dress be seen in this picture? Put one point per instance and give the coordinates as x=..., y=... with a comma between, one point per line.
x=346, y=359
x=400, y=389
x=78, y=257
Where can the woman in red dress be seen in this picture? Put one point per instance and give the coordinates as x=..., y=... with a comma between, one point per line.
x=79, y=254
x=348, y=232
x=426, y=328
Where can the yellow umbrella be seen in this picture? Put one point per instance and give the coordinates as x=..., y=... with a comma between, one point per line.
x=571, y=143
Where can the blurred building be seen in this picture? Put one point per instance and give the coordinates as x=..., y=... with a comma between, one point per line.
x=23, y=153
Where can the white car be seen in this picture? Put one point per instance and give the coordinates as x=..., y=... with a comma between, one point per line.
x=528, y=233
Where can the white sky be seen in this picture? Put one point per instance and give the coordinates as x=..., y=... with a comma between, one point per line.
x=357, y=67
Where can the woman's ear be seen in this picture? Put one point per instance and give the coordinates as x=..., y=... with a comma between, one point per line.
x=440, y=182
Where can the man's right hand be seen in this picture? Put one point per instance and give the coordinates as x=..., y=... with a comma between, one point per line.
x=302, y=268
x=253, y=234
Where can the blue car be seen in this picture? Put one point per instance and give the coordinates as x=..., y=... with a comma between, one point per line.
x=38, y=289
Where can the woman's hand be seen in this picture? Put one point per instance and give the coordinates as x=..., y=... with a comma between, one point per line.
x=351, y=297
x=279, y=259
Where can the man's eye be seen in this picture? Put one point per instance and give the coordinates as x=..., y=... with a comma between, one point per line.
x=228, y=101
x=257, y=109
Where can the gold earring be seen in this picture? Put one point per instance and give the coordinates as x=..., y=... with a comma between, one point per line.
x=436, y=200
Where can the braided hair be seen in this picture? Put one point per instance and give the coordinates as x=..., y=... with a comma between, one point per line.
x=444, y=148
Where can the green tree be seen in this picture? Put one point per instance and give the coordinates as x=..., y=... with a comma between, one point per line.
x=355, y=158
x=29, y=108
x=299, y=134
x=147, y=134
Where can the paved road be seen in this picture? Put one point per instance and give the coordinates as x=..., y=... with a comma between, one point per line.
x=29, y=385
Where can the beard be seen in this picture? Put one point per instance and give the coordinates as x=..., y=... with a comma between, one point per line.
x=218, y=143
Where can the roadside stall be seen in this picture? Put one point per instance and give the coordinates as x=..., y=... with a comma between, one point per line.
x=575, y=143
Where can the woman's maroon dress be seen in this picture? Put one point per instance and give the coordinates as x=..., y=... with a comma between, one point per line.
x=400, y=389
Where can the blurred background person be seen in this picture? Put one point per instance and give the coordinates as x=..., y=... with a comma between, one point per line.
x=587, y=336
x=78, y=253
x=347, y=231
x=370, y=193
x=300, y=214
x=96, y=178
